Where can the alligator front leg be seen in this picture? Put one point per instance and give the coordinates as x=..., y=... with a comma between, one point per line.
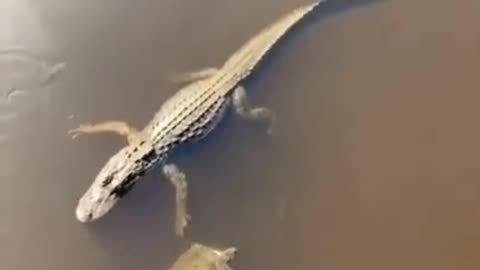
x=187, y=77
x=178, y=179
x=118, y=127
x=244, y=109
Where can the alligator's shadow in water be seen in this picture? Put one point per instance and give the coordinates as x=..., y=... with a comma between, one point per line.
x=327, y=9
x=150, y=205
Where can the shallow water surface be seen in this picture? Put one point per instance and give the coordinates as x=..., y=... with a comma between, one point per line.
x=373, y=163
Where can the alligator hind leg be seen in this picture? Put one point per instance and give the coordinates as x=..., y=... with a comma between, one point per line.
x=186, y=77
x=118, y=127
x=244, y=109
x=178, y=180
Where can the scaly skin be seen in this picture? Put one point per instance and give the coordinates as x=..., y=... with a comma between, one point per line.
x=188, y=116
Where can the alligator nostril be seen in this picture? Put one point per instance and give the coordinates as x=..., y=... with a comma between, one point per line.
x=82, y=216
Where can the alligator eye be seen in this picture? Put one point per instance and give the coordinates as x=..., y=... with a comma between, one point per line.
x=107, y=181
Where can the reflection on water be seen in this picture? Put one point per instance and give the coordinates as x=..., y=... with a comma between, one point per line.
x=373, y=165
x=25, y=74
x=20, y=25
x=24, y=86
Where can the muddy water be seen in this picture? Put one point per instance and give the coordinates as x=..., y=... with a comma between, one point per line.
x=373, y=164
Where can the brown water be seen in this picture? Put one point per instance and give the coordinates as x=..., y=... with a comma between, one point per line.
x=373, y=165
